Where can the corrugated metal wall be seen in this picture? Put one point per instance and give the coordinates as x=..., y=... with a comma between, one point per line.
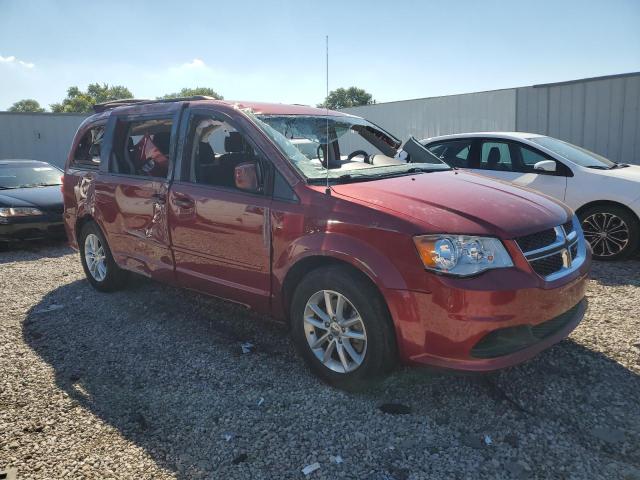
x=428, y=117
x=601, y=115
x=38, y=136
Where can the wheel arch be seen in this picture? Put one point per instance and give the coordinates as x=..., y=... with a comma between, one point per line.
x=306, y=265
x=602, y=203
x=80, y=223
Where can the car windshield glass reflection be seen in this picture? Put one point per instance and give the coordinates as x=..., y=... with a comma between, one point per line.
x=23, y=176
x=343, y=148
x=578, y=155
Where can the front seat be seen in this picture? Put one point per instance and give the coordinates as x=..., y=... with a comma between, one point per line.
x=494, y=158
x=236, y=154
x=206, y=168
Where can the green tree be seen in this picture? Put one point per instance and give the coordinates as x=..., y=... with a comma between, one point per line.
x=26, y=105
x=83, y=102
x=347, y=97
x=191, y=92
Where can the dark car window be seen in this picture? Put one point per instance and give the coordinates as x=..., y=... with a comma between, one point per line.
x=214, y=149
x=142, y=148
x=496, y=155
x=87, y=154
x=28, y=174
x=454, y=152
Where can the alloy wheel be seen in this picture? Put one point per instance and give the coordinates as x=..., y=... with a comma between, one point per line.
x=607, y=233
x=335, y=331
x=95, y=257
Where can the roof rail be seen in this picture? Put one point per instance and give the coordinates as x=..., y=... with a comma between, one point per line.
x=101, y=107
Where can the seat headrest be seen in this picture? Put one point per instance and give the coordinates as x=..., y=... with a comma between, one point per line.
x=234, y=143
x=494, y=156
x=162, y=141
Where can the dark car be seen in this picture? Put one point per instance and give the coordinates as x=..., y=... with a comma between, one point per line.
x=370, y=258
x=30, y=201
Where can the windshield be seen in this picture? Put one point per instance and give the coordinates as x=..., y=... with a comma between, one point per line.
x=578, y=155
x=23, y=175
x=350, y=147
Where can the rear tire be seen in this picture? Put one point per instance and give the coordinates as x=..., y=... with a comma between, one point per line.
x=350, y=344
x=613, y=232
x=97, y=261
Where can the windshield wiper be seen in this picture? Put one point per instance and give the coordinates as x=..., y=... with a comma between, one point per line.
x=598, y=167
x=618, y=165
x=348, y=178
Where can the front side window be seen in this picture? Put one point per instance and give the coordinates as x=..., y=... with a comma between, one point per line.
x=454, y=153
x=142, y=148
x=495, y=156
x=28, y=174
x=578, y=155
x=219, y=155
x=342, y=148
x=87, y=154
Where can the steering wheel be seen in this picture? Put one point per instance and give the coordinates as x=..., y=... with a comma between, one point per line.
x=359, y=152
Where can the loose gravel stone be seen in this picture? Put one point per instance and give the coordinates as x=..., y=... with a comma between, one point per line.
x=151, y=382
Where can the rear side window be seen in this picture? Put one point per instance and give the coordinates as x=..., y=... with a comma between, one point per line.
x=87, y=153
x=455, y=153
x=142, y=148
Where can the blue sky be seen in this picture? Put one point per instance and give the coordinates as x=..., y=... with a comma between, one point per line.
x=274, y=50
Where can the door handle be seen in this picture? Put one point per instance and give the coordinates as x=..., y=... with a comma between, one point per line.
x=183, y=202
x=159, y=198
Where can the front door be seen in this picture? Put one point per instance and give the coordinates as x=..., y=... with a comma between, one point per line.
x=513, y=162
x=131, y=195
x=220, y=229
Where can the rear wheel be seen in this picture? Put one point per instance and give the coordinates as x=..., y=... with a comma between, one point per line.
x=342, y=328
x=99, y=266
x=611, y=231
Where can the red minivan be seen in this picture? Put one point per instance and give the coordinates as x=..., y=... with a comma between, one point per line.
x=373, y=249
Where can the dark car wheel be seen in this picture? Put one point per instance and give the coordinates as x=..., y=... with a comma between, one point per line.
x=101, y=270
x=342, y=328
x=611, y=231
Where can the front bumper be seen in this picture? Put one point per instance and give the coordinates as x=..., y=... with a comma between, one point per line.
x=26, y=228
x=487, y=325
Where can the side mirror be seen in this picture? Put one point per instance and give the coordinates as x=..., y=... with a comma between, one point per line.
x=246, y=176
x=545, y=166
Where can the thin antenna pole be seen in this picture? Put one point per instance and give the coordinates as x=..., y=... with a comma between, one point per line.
x=326, y=106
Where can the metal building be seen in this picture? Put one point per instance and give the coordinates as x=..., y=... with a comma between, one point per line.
x=601, y=114
x=38, y=136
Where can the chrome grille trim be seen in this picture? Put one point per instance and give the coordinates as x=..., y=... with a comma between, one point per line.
x=565, y=245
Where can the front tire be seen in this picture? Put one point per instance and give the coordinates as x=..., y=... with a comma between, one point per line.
x=97, y=261
x=342, y=328
x=612, y=232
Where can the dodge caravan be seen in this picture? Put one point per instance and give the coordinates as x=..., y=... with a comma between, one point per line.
x=373, y=249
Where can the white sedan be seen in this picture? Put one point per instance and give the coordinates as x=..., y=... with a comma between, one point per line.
x=604, y=194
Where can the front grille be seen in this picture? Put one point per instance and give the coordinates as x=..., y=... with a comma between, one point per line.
x=536, y=240
x=545, y=266
x=59, y=209
x=568, y=227
x=574, y=250
x=505, y=341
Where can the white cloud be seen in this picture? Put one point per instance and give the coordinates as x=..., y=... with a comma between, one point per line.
x=12, y=60
x=195, y=63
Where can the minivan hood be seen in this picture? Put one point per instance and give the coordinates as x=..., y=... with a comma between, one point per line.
x=460, y=202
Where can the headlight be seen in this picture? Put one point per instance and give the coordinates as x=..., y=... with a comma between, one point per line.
x=461, y=255
x=19, y=212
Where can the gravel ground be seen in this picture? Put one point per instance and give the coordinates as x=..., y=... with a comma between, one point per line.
x=152, y=383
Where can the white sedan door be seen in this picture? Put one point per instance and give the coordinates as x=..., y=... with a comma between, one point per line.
x=513, y=162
